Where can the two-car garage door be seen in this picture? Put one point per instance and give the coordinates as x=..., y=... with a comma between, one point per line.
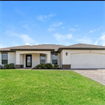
x=87, y=60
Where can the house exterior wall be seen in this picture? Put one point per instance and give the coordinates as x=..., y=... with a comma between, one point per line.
x=11, y=57
x=73, y=56
x=0, y=58
x=74, y=59
x=31, y=52
x=24, y=60
x=59, y=59
x=35, y=59
x=48, y=57
x=61, y=55
x=65, y=58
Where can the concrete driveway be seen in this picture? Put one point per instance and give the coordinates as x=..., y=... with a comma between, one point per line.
x=96, y=75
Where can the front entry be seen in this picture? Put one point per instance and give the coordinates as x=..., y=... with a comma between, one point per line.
x=28, y=60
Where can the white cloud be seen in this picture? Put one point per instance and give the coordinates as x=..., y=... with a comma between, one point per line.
x=51, y=29
x=76, y=25
x=3, y=46
x=19, y=11
x=51, y=15
x=37, y=44
x=53, y=25
x=60, y=37
x=63, y=27
x=25, y=38
x=27, y=44
x=103, y=33
x=41, y=17
x=101, y=40
x=91, y=31
x=96, y=42
x=84, y=40
x=73, y=29
x=25, y=26
x=57, y=24
x=64, y=42
x=44, y=17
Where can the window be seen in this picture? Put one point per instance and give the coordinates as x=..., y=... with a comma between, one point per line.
x=4, y=58
x=54, y=59
x=42, y=58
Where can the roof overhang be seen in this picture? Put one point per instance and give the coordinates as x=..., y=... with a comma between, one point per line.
x=52, y=50
x=60, y=49
x=32, y=50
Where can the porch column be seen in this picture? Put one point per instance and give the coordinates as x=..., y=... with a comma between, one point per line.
x=0, y=59
x=18, y=61
x=17, y=58
x=48, y=56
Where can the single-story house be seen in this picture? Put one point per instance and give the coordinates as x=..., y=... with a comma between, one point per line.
x=77, y=56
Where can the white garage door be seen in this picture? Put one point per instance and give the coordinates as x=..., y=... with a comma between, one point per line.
x=87, y=61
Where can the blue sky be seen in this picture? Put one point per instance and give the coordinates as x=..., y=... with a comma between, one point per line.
x=52, y=22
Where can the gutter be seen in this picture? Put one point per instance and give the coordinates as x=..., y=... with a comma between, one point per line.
x=60, y=49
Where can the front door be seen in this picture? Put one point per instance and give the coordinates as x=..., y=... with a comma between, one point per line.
x=28, y=60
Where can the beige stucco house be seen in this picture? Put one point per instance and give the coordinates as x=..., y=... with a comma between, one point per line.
x=77, y=56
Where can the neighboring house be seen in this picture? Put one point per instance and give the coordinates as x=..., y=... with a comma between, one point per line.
x=77, y=56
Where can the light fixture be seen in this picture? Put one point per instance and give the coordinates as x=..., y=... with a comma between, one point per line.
x=66, y=53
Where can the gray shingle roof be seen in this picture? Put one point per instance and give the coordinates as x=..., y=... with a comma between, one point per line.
x=80, y=45
x=53, y=47
x=34, y=47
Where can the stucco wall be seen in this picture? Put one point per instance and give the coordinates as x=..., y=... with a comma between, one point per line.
x=35, y=59
x=24, y=60
x=85, y=54
x=21, y=57
x=61, y=55
x=65, y=58
x=97, y=58
x=18, y=53
x=11, y=57
x=0, y=58
x=59, y=60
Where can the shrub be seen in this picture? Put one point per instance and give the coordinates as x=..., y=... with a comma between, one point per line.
x=1, y=67
x=37, y=66
x=6, y=66
x=42, y=66
x=11, y=66
x=48, y=66
x=56, y=66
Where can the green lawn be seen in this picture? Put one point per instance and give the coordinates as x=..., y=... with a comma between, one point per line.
x=49, y=87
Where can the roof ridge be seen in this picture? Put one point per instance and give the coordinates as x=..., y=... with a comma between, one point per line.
x=85, y=44
x=15, y=46
x=53, y=46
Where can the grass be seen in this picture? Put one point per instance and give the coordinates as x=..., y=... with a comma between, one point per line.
x=49, y=87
